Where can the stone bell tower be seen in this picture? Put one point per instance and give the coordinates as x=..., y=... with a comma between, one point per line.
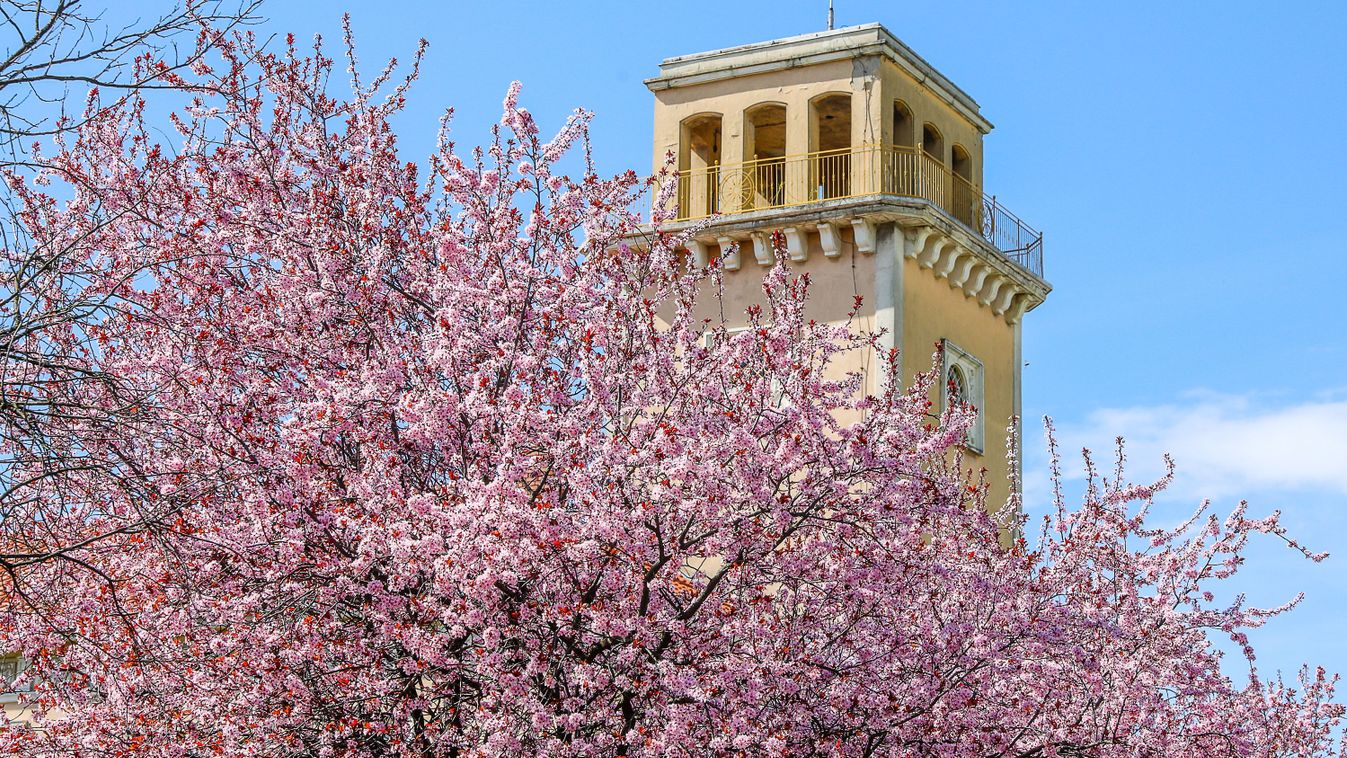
x=869, y=162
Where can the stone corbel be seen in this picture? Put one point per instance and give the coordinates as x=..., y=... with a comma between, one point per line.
x=864, y=233
x=919, y=241
x=974, y=284
x=762, y=249
x=948, y=257
x=729, y=254
x=990, y=289
x=701, y=256
x=1002, y=301
x=1017, y=308
x=959, y=275
x=931, y=252
x=796, y=243
x=829, y=240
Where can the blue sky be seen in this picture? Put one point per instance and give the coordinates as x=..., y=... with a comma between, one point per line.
x=1184, y=159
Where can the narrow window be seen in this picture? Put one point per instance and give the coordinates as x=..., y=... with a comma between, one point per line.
x=958, y=386
x=963, y=375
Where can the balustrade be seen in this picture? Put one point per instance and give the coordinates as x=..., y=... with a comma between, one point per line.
x=857, y=172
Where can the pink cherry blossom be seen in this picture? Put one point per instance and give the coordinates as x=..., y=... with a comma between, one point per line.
x=432, y=460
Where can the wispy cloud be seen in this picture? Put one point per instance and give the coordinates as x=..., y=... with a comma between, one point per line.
x=1223, y=445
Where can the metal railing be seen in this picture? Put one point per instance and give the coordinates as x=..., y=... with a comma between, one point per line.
x=857, y=172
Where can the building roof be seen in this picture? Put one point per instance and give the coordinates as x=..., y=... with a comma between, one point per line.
x=812, y=49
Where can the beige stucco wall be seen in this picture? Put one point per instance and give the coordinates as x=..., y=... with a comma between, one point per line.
x=834, y=284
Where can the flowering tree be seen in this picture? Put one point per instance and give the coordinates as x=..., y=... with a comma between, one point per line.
x=437, y=466
x=45, y=297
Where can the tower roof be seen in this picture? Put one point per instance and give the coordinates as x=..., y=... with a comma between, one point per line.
x=811, y=49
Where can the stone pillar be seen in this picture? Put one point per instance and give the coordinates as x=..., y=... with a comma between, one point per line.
x=799, y=142
x=731, y=149
x=890, y=257
x=866, y=126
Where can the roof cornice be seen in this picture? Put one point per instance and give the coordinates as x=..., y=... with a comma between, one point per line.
x=811, y=50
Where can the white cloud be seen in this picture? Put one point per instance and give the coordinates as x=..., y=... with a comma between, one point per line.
x=1222, y=445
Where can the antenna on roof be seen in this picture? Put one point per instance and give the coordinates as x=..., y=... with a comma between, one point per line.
x=830, y=15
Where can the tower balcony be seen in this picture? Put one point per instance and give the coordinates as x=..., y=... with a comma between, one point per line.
x=866, y=171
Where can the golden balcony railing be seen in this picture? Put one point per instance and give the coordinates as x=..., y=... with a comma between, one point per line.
x=857, y=172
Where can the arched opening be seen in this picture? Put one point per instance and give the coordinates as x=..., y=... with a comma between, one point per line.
x=765, y=132
x=764, y=156
x=932, y=143
x=699, y=165
x=961, y=164
x=957, y=386
x=963, y=375
x=904, y=126
x=900, y=164
x=932, y=182
x=962, y=195
x=830, y=134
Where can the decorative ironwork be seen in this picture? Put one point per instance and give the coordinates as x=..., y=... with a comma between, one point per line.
x=736, y=190
x=1015, y=239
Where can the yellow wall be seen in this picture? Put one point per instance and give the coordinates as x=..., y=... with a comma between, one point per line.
x=926, y=107
x=932, y=311
x=731, y=97
x=834, y=282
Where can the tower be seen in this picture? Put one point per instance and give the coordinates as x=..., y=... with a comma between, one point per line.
x=869, y=162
